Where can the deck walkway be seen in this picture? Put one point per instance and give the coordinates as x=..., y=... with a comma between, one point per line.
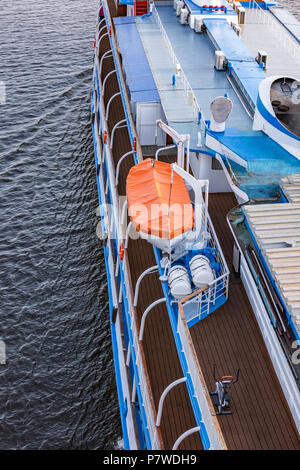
x=229, y=335
x=262, y=32
x=158, y=344
x=231, y=338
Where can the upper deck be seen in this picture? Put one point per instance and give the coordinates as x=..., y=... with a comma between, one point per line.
x=186, y=96
x=230, y=336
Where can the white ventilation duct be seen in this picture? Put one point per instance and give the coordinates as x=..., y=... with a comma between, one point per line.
x=220, y=108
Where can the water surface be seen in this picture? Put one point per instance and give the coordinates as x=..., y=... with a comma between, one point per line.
x=57, y=390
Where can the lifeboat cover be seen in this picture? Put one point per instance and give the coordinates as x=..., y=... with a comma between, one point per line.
x=150, y=192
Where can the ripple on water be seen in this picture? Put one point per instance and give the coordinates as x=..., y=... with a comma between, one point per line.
x=58, y=387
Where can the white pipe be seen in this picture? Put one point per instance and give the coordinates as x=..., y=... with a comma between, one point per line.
x=101, y=29
x=109, y=102
x=119, y=164
x=177, y=138
x=120, y=292
x=105, y=56
x=206, y=204
x=183, y=436
x=103, y=19
x=197, y=187
x=188, y=139
x=105, y=79
x=156, y=302
x=163, y=148
x=242, y=197
x=128, y=355
x=127, y=234
x=116, y=126
x=138, y=282
x=163, y=396
x=124, y=209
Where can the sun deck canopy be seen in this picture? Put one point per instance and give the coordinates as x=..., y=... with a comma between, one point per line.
x=158, y=200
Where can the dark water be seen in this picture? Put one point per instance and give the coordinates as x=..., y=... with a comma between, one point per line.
x=57, y=390
x=293, y=6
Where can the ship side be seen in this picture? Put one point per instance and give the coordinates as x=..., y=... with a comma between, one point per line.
x=195, y=110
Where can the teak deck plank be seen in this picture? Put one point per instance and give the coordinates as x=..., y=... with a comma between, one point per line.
x=231, y=338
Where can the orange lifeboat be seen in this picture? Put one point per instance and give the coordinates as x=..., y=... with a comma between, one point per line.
x=159, y=204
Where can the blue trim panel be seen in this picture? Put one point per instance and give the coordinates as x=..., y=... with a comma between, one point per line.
x=273, y=120
x=139, y=77
x=116, y=361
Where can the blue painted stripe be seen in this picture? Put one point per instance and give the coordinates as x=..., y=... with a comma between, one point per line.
x=273, y=120
x=136, y=372
x=116, y=361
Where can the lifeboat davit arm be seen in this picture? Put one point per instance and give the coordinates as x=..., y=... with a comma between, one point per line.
x=200, y=205
x=178, y=139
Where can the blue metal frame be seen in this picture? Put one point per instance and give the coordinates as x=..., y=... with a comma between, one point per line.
x=122, y=405
x=288, y=316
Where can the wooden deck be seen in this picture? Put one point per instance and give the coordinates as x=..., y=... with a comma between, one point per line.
x=230, y=337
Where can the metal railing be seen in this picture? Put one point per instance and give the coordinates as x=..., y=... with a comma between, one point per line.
x=216, y=440
x=127, y=108
x=282, y=36
x=201, y=304
x=186, y=85
x=113, y=219
x=151, y=419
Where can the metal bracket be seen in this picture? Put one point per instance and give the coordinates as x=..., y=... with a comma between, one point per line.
x=119, y=164
x=138, y=282
x=163, y=396
x=148, y=309
x=109, y=102
x=116, y=126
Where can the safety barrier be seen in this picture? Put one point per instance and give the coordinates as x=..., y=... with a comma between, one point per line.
x=282, y=36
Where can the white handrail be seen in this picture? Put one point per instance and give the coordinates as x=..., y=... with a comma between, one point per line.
x=184, y=435
x=138, y=282
x=186, y=85
x=278, y=30
x=163, y=396
x=144, y=316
